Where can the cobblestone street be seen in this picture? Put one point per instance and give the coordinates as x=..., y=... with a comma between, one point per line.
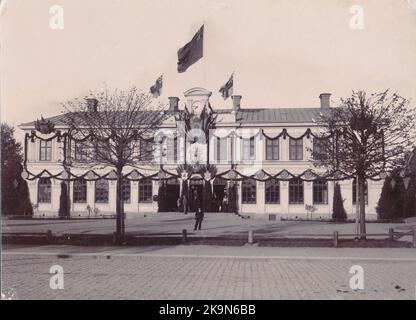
x=147, y=276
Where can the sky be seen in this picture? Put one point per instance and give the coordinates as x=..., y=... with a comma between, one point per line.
x=283, y=53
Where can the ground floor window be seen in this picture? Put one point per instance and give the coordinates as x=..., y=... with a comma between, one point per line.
x=272, y=191
x=354, y=192
x=80, y=191
x=249, y=191
x=125, y=189
x=44, y=190
x=145, y=190
x=296, y=191
x=320, y=192
x=101, y=191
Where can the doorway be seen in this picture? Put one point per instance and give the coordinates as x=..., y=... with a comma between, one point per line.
x=172, y=195
x=219, y=195
x=195, y=185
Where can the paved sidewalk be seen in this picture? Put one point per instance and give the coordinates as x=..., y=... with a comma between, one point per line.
x=209, y=273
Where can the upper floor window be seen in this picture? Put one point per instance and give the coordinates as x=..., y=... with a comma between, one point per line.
x=296, y=149
x=272, y=149
x=82, y=151
x=80, y=191
x=101, y=191
x=221, y=149
x=354, y=192
x=125, y=189
x=318, y=149
x=233, y=152
x=320, y=192
x=272, y=191
x=102, y=151
x=249, y=191
x=45, y=150
x=146, y=150
x=44, y=190
x=295, y=191
x=172, y=149
x=145, y=190
x=248, y=149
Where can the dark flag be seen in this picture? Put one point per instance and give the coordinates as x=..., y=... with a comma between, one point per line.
x=191, y=52
x=156, y=89
x=227, y=89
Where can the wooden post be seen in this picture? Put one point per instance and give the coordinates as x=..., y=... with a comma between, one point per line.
x=250, y=236
x=184, y=236
x=391, y=234
x=335, y=239
x=49, y=236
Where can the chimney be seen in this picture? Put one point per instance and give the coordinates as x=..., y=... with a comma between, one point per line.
x=173, y=104
x=325, y=100
x=236, y=102
x=92, y=104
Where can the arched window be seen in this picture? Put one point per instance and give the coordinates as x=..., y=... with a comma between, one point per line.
x=296, y=191
x=44, y=190
x=249, y=191
x=101, y=191
x=125, y=187
x=272, y=191
x=145, y=190
x=80, y=191
x=320, y=192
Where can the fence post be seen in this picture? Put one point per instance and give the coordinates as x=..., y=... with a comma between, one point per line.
x=335, y=239
x=49, y=236
x=184, y=236
x=250, y=237
x=391, y=234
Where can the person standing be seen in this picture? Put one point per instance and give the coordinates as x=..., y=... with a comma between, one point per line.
x=199, y=214
x=178, y=204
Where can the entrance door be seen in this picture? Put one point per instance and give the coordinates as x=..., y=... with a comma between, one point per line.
x=172, y=195
x=195, y=186
x=219, y=195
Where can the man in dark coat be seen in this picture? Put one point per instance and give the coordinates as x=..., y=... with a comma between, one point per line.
x=199, y=214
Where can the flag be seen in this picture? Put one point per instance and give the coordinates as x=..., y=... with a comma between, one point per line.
x=191, y=52
x=156, y=89
x=227, y=89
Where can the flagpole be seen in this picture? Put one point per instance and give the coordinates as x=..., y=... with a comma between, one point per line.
x=205, y=60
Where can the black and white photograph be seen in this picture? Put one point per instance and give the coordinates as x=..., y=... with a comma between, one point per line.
x=208, y=155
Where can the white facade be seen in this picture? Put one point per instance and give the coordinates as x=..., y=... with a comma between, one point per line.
x=228, y=121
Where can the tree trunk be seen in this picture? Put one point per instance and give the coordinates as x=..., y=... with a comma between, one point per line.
x=361, y=186
x=119, y=213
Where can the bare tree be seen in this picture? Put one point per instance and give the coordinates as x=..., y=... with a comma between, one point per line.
x=113, y=129
x=365, y=137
